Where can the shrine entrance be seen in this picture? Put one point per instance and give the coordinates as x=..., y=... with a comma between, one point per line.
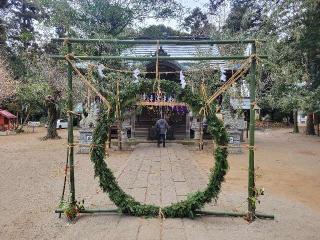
x=177, y=114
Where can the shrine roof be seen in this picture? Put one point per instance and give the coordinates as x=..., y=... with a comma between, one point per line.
x=7, y=114
x=178, y=51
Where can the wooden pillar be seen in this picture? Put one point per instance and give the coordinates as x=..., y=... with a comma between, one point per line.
x=70, y=129
x=201, y=134
x=119, y=133
x=188, y=126
x=295, y=121
x=109, y=138
x=248, y=123
x=251, y=174
x=133, y=125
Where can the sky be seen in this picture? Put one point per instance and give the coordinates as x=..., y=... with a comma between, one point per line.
x=193, y=3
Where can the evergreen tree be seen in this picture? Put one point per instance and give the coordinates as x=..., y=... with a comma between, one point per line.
x=197, y=23
x=101, y=18
x=158, y=32
x=17, y=23
x=244, y=16
x=309, y=42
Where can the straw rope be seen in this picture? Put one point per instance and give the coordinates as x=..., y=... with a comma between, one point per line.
x=84, y=145
x=161, y=214
x=69, y=57
x=236, y=76
x=240, y=146
x=72, y=113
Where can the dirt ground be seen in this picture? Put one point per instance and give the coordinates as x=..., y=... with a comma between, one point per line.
x=287, y=167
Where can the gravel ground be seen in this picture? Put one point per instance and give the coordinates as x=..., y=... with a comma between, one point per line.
x=31, y=176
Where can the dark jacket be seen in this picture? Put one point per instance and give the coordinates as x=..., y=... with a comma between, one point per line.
x=162, y=126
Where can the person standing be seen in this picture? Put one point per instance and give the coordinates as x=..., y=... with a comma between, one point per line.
x=162, y=127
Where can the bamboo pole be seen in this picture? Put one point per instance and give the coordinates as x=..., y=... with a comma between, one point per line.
x=65, y=178
x=152, y=58
x=153, y=42
x=251, y=174
x=204, y=213
x=92, y=211
x=70, y=129
x=251, y=182
x=233, y=214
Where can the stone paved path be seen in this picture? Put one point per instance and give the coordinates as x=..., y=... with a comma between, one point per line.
x=161, y=175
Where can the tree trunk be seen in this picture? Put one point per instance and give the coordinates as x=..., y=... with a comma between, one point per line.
x=52, y=118
x=295, y=121
x=310, y=125
x=318, y=129
x=20, y=129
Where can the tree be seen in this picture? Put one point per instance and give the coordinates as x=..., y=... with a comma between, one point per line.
x=282, y=81
x=45, y=71
x=40, y=88
x=292, y=27
x=29, y=99
x=197, y=23
x=104, y=17
x=214, y=5
x=310, y=43
x=7, y=84
x=16, y=36
x=51, y=102
x=158, y=32
x=311, y=105
x=300, y=44
x=245, y=15
x=18, y=18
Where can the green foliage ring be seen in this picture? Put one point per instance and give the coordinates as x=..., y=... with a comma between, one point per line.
x=187, y=208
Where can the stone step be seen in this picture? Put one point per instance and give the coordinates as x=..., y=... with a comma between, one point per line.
x=142, y=129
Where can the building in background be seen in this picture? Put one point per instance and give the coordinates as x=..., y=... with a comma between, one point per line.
x=7, y=120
